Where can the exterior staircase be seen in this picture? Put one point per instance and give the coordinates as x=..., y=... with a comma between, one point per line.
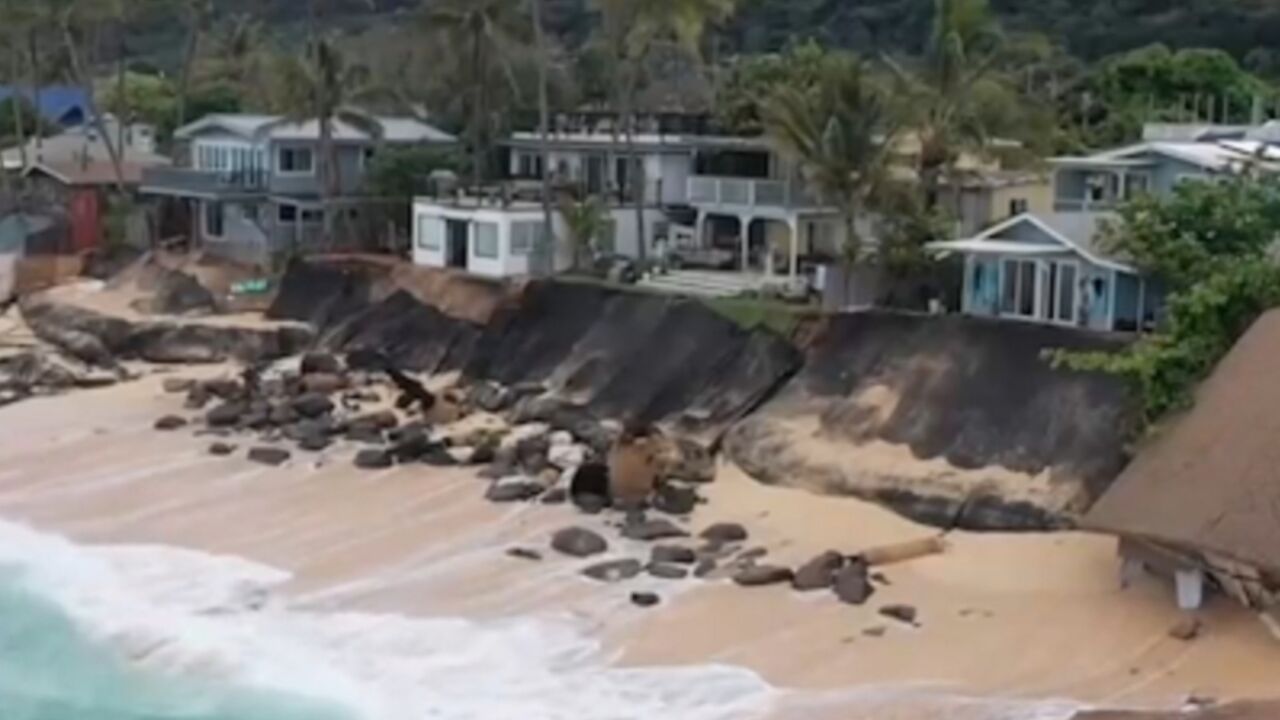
x=704, y=283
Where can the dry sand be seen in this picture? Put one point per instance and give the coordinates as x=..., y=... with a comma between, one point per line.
x=1009, y=617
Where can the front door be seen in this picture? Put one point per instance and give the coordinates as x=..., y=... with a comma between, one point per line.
x=456, y=232
x=597, y=173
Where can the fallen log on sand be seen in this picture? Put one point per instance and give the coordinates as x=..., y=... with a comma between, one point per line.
x=903, y=551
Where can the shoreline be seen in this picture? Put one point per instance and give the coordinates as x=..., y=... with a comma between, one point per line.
x=422, y=541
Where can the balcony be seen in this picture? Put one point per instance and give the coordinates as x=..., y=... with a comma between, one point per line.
x=746, y=193
x=1077, y=204
x=214, y=185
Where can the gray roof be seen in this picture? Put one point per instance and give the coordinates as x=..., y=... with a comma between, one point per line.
x=277, y=127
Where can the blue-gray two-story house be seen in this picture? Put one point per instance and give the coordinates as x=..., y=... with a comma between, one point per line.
x=1051, y=268
x=251, y=182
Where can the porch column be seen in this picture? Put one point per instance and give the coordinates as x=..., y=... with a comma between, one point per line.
x=700, y=230
x=744, y=236
x=793, y=226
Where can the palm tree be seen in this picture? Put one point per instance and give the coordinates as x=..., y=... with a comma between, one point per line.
x=632, y=28
x=841, y=133
x=196, y=14
x=323, y=86
x=584, y=222
x=544, y=122
x=948, y=92
x=73, y=17
x=17, y=20
x=485, y=33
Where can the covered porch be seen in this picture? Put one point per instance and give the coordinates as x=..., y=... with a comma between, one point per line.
x=784, y=245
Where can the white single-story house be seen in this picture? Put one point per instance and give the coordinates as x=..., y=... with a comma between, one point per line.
x=1025, y=268
x=507, y=239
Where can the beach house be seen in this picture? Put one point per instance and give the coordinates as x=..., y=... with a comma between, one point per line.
x=1051, y=267
x=249, y=186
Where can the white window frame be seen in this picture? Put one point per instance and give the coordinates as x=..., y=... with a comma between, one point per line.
x=530, y=230
x=429, y=241
x=476, y=249
x=279, y=154
x=1041, y=311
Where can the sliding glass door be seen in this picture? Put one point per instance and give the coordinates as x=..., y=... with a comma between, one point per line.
x=1043, y=290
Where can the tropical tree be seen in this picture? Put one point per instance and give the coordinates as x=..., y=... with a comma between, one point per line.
x=949, y=92
x=74, y=18
x=196, y=15
x=841, y=133
x=632, y=28
x=584, y=221
x=544, y=120
x=483, y=35
x=322, y=86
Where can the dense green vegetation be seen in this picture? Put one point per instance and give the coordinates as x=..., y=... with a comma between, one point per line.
x=1211, y=244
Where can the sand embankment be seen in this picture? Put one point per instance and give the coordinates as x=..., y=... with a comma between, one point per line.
x=1013, y=620
x=953, y=421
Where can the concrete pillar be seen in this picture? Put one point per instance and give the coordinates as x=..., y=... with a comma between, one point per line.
x=700, y=230
x=793, y=226
x=1190, y=585
x=744, y=235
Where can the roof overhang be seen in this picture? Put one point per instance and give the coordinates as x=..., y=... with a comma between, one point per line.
x=990, y=242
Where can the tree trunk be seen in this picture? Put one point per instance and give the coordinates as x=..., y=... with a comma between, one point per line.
x=122, y=85
x=81, y=79
x=477, y=110
x=33, y=61
x=194, y=32
x=544, y=123
x=326, y=175
x=633, y=160
x=19, y=123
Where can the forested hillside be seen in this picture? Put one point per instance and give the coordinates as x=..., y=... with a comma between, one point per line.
x=1089, y=29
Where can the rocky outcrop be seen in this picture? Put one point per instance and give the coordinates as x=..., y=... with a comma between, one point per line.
x=102, y=340
x=952, y=421
x=635, y=357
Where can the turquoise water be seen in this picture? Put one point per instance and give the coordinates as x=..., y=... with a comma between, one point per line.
x=50, y=671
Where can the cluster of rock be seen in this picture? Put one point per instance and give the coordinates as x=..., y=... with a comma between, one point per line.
x=528, y=446
x=389, y=417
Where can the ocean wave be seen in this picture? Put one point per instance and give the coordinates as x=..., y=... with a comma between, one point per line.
x=182, y=623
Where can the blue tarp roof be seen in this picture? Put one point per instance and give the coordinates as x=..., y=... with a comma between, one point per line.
x=59, y=104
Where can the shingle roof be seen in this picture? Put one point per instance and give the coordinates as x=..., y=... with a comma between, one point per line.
x=1211, y=480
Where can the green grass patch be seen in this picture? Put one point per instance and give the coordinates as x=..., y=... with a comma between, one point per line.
x=752, y=314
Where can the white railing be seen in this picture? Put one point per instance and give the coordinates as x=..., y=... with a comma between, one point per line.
x=745, y=192
x=1069, y=204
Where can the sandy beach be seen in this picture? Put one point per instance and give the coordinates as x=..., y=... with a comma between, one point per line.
x=1003, y=619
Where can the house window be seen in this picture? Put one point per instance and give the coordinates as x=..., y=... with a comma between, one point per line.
x=524, y=235
x=529, y=165
x=213, y=219
x=1018, y=288
x=289, y=214
x=1017, y=206
x=430, y=233
x=1060, y=292
x=297, y=161
x=486, y=240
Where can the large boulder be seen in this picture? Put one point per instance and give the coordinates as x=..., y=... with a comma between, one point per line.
x=819, y=573
x=312, y=405
x=578, y=542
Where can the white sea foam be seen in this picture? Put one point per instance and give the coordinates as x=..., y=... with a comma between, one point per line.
x=201, y=616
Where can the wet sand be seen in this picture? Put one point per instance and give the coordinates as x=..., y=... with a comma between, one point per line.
x=1007, y=617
